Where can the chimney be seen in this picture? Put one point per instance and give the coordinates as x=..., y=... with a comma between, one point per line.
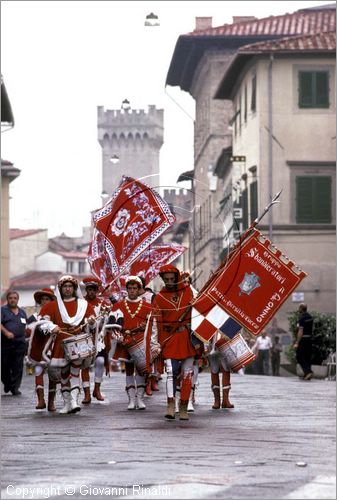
x=242, y=19
x=202, y=23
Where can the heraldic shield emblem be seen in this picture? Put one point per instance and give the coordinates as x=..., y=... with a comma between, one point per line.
x=249, y=283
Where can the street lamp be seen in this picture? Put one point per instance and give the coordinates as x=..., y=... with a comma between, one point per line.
x=114, y=159
x=125, y=105
x=152, y=20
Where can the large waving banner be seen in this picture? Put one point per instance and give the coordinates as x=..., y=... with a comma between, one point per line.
x=248, y=291
x=125, y=227
x=153, y=258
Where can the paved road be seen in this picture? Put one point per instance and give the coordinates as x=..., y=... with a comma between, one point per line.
x=251, y=452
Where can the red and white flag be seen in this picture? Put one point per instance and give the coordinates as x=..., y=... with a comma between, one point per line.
x=134, y=217
x=247, y=291
x=153, y=258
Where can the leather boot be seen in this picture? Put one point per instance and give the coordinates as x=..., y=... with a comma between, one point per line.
x=97, y=392
x=41, y=404
x=225, y=397
x=170, y=411
x=51, y=399
x=87, y=397
x=216, y=392
x=140, y=397
x=154, y=385
x=131, y=392
x=183, y=415
x=148, y=389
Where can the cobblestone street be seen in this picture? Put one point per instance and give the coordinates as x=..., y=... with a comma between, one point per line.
x=278, y=442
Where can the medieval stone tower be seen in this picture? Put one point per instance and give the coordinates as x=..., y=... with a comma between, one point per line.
x=135, y=137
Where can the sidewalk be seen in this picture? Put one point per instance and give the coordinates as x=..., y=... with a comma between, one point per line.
x=278, y=442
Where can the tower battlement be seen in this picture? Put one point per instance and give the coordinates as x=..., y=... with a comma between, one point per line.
x=116, y=124
x=133, y=117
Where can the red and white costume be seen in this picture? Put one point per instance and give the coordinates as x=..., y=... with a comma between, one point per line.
x=132, y=316
x=171, y=311
x=102, y=341
x=70, y=316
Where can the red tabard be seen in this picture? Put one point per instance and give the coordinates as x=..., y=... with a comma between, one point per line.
x=168, y=308
x=51, y=309
x=131, y=323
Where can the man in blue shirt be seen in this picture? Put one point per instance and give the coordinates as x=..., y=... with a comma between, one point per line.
x=13, y=343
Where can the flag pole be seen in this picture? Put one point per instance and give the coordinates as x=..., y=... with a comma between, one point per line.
x=240, y=241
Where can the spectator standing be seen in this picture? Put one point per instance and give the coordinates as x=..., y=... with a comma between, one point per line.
x=303, y=343
x=263, y=345
x=13, y=343
x=276, y=356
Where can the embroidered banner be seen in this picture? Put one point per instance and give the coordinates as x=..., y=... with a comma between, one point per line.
x=153, y=258
x=134, y=218
x=251, y=287
x=124, y=228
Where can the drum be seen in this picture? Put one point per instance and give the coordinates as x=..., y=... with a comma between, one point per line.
x=78, y=347
x=138, y=355
x=235, y=352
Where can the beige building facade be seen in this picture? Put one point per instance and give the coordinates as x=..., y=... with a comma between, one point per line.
x=223, y=209
x=287, y=142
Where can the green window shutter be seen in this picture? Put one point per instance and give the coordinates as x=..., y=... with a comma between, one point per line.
x=253, y=201
x=322, y=195
x=244, y=206
x=253, y=101
x=304, y=201
x=305, y=89
x=313, y=200
x=245, y=104
x=322, y=89
x=313, y=89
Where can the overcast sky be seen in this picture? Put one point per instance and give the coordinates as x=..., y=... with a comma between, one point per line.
x=60, y=60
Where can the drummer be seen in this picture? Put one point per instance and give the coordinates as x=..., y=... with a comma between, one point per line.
x=131, y=313
x=68, y=315
x=92, y=286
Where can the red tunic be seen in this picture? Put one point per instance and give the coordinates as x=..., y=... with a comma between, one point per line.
x=52, y=311
x=173, y=335
x=134, y=314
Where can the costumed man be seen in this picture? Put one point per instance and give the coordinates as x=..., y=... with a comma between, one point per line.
x=131, y=314
x=101, y=307
x=65, y=318
x=217, y=364
x=199, y=347
x=36, y=345
x=172, y=312
x=148, y=295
